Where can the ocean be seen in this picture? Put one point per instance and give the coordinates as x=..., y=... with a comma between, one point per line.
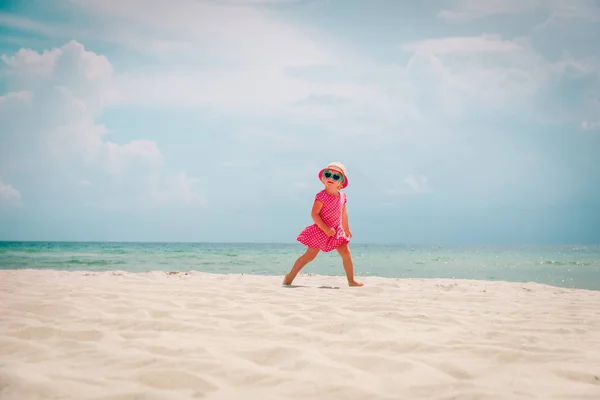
x=565, y=266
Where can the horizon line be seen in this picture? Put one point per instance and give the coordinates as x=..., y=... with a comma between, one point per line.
x=293, y=243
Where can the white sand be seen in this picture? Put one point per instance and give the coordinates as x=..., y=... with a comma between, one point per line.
x=72, y=335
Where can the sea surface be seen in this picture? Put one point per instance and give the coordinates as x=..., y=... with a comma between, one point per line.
x=565, y=266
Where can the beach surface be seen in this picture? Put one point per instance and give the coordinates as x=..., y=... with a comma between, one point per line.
x=169, y=335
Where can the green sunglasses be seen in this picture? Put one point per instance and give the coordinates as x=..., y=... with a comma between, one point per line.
x=333, y=175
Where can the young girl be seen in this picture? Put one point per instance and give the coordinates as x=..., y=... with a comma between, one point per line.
x=330, y=230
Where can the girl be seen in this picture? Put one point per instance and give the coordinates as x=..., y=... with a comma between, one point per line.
x=330, y=230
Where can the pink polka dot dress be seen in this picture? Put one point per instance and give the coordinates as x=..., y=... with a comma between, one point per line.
x=331, y=214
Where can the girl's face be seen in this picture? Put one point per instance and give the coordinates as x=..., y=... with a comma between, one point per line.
x=332, y=178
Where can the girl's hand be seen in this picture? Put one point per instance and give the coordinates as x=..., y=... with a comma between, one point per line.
x=348, y=233
x=330, y=231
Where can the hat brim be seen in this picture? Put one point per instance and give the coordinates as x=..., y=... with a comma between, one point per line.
x=337, y=170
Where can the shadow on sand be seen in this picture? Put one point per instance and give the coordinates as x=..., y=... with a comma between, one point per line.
x=303, y=286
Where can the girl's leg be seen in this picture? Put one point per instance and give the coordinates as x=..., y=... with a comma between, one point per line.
x=344, y=251
x=304, y=259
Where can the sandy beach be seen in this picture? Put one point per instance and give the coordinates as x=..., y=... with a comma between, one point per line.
x=117, y=335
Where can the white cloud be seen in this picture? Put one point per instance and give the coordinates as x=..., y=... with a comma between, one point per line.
x=459, y=75
x=249, y=68
x=239, y=59
x=177, y=189
x=575, y=9
x=82, y=77
x=23, y=95
x=119, y=157
x=267, y=139
x=58, y=96
x=588, y=126
x=158, y=47
x=411, y=184
x=468, y=10
x=26, y=24
x=592, y=115
x=227, y=33
x=9, y=195
x=451, y=90
x=70, y=87
x=236, y=164
x=477, y=44
x=252, y=90
x=255, y=1
x=417, y=183
x=243, y=69
x=246, y=70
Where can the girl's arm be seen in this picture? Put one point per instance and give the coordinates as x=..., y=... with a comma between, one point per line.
x=345, y=224
x=316, y=209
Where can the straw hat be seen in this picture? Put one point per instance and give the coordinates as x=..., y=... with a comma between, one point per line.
x=336, y=166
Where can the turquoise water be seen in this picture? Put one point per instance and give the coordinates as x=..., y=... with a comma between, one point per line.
x=565, y=266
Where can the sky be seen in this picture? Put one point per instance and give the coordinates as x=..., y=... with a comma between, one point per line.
x=459, y=121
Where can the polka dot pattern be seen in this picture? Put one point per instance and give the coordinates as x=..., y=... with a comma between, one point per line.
x=331, y=214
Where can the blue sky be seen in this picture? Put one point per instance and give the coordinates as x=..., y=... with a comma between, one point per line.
x=460, y=121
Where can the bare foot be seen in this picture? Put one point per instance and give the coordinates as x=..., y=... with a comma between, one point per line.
x=355, y=283
x=287, y=281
